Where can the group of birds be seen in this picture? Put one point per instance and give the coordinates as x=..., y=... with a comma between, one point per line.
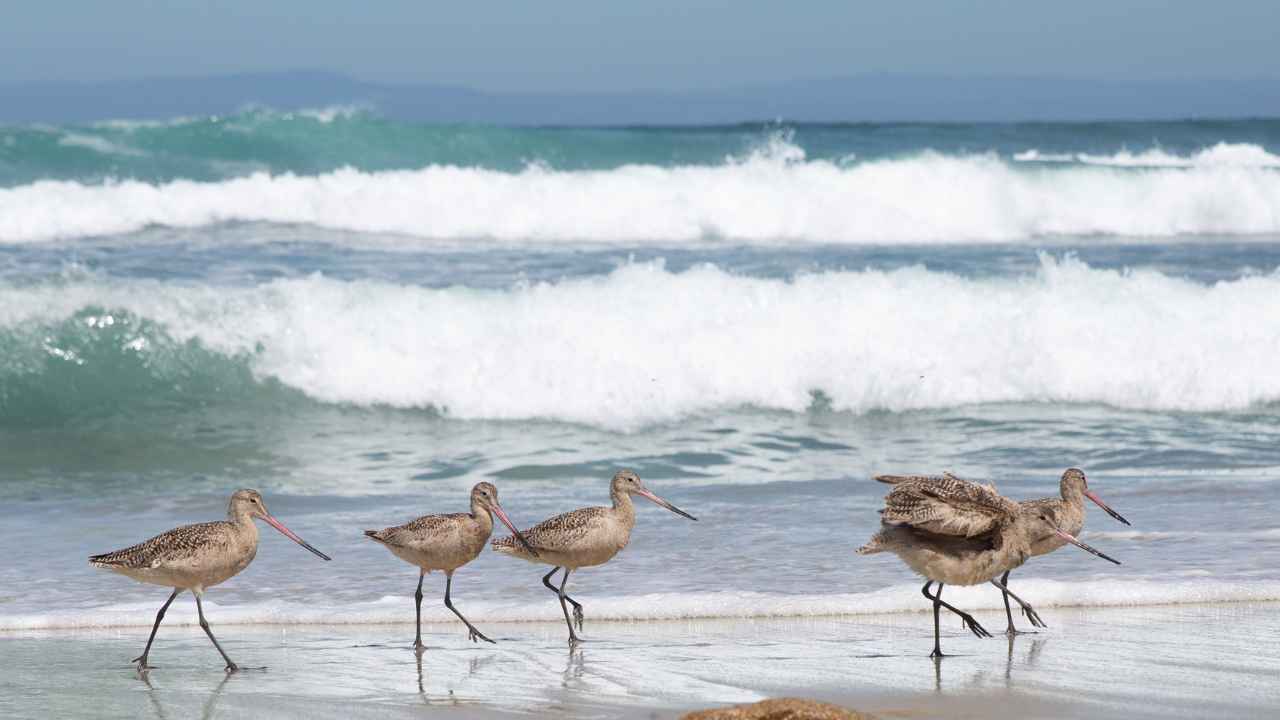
x=948, y=530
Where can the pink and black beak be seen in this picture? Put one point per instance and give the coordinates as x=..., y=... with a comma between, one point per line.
x=289, y=534
x=520, y=538
x=1071, y=539
x=664, y=503
x=1090, y=494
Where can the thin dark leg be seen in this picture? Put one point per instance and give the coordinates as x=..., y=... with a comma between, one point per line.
x=231, y=667
x=573, y=638
x=1027, y=610
x=142, y=660
x=577, y=607
x=937, y=609
x=968, y=620
x=418, y=647
x=474, y=633
x=1004, y=581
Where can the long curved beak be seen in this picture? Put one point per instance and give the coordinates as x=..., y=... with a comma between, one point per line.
x=497, y=510
x=289, y=534
x=1089, y=494
x=665, y=504
x=1071, y=539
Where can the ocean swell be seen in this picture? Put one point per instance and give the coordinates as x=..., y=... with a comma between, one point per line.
x=766, y=197
x=644, y=345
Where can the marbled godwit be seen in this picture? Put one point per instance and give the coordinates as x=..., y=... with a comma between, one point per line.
x=446, y=542
x=1067, y=512
x=584, y=537
x=954, y=532
x=197, y=557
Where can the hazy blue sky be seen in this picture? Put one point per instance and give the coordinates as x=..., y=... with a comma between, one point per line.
x=653, y=44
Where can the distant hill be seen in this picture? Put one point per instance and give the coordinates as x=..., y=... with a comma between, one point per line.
x=870, y=98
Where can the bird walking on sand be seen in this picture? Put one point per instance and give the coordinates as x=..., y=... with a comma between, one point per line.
x=955, y=532
x=1067, y=512
x=197, y=557
x=447, y=542
x=584, y=538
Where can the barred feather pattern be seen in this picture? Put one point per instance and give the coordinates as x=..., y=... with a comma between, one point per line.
x=175, y=546
x=945, y=505
x=419, y=531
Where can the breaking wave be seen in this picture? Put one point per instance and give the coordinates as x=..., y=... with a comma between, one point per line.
x=765, y=197
x=644, y=345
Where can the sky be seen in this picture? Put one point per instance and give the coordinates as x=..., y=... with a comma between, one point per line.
x=572, y=45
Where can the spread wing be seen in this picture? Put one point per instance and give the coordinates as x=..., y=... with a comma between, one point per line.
x=945, y=505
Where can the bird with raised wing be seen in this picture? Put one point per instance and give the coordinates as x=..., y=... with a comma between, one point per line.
x=956, y=532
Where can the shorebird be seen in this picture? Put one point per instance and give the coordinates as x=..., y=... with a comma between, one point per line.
x=446, y=542
x=1067, y=512
x=955, y=532
x=197, y=557
x=583, y=538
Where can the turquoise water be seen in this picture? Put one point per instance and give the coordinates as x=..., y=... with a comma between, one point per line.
x=364, y=318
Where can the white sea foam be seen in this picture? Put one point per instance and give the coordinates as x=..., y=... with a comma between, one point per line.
x=678, y=606
x=644, y=345
x=1219, y=155
x=773, y=195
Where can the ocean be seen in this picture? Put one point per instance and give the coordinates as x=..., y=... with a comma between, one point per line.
x=362, y=318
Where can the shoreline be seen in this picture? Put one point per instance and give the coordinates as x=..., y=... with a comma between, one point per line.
x=1171, y=661
x=390, y=610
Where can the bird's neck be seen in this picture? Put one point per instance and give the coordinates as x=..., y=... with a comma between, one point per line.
x=482, y=515
x=622, y=503
x=1073, y=495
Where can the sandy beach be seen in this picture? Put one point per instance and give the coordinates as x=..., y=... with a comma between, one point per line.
x=1189, y=661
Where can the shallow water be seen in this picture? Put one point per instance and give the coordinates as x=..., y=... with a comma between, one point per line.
x=755, y=356
x=1119, y=662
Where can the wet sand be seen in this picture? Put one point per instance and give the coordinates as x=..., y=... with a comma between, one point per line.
x=1187, y=661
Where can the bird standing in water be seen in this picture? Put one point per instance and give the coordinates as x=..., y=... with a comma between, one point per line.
x=197, y=557
x=447, y=542
x=583, y=538
x=1067, y=512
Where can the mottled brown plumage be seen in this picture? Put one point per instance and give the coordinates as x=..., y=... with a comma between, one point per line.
x=956, y=532
x=197, y=557
x=445, y=542
x=583, y=538
x=945, y=504
x=1066, y=512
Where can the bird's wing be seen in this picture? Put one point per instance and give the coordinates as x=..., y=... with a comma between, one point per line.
x=946, y=505
x=175, y=546
x=419, y=531
x=563, y=532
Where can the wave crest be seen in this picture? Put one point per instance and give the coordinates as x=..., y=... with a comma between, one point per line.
x=771, y=195
x=645, y=345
